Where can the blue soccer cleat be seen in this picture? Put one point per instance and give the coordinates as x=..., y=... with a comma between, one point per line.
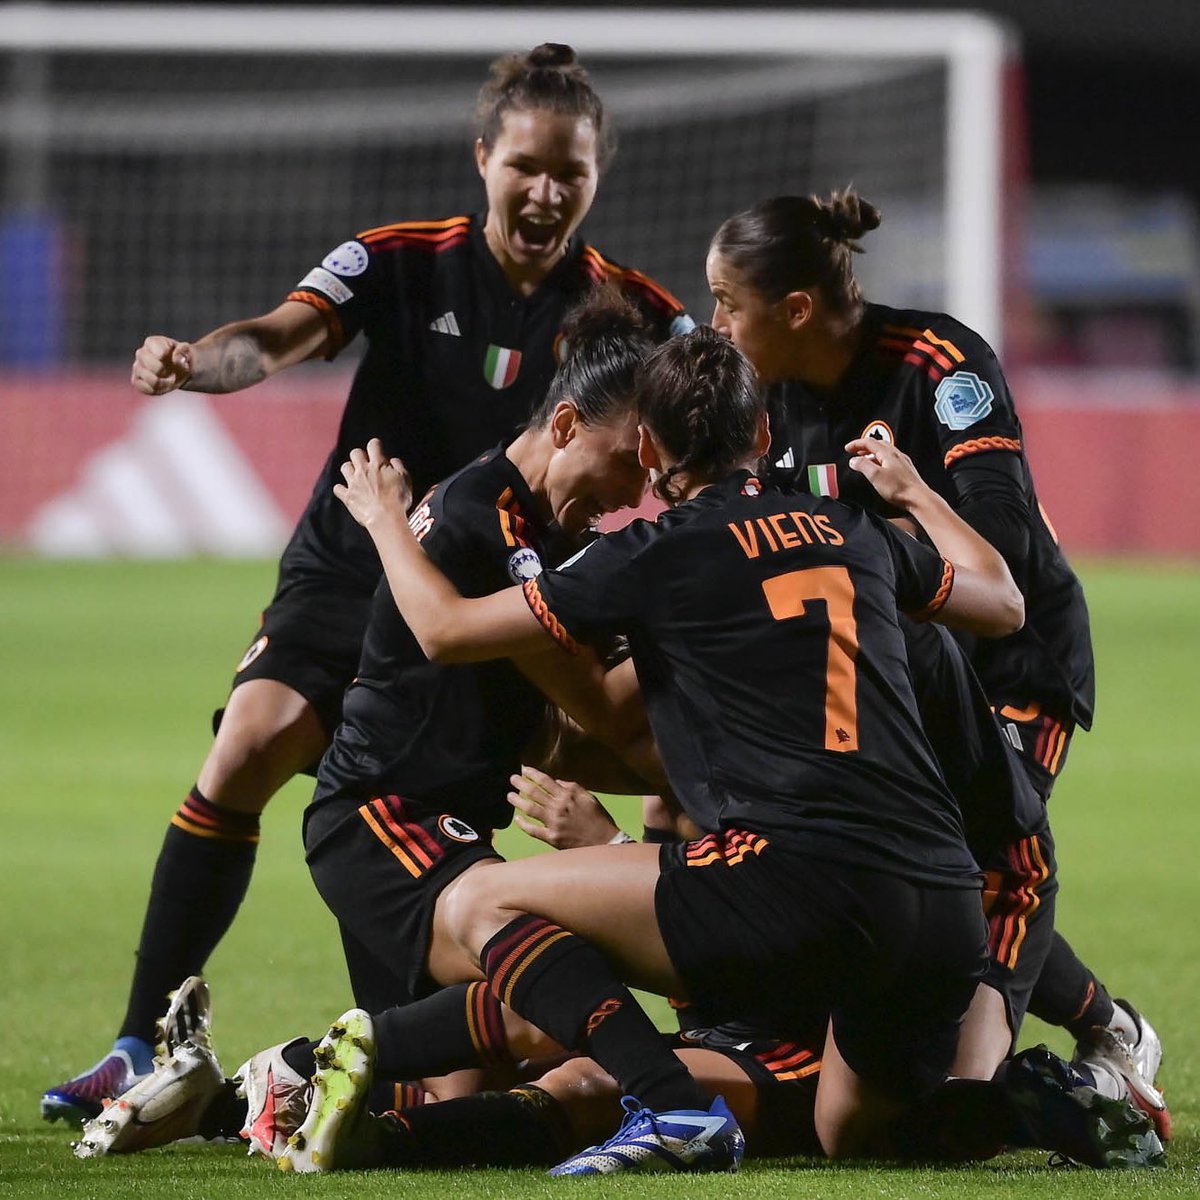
x=82, y=1098
x=682, y=1140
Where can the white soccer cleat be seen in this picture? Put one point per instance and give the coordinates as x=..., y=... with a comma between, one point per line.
x=1107, y=1053
x=276, y=1099
x=162, y=1107
x=188, y=1018
x=338, y=1132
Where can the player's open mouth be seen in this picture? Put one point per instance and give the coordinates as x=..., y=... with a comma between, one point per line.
x=537, y=233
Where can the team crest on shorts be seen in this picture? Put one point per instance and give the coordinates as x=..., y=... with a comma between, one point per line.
x=255, y=650
x=456, y=829
x=881, y=431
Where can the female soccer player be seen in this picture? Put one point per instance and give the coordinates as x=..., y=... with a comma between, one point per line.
x=461, y=317
x=763, y=628
x=838, y=368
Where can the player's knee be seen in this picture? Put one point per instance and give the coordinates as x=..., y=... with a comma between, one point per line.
x=578, y=1079
x=470, y=911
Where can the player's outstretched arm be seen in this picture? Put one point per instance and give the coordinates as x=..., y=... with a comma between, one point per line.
x=984, y=599
x=448, y=627
x=232, y=357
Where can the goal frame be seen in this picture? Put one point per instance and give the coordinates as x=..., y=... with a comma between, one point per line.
x=976, y=49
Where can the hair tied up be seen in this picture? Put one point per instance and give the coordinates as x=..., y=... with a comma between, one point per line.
x=551, y=54
x=846, y=216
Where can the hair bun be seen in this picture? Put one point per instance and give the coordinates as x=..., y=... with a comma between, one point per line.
x=846, y=216
x=551, y=54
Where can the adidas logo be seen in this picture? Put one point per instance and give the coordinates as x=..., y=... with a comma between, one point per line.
x=446, y=323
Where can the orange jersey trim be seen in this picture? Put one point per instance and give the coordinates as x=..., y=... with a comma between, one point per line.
x=512, y=523
x=333, y=323
x=940, y=596
x=593, y=258
x=549, y=622
x=980, y=446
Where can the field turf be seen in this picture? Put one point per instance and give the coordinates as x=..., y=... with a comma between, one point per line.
x=108, y=674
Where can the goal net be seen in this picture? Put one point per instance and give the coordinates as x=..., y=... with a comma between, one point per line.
x=167, y=169
x=173, y=168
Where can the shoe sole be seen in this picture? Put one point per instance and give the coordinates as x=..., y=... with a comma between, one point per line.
x=153, y=1113
x=344, y=1067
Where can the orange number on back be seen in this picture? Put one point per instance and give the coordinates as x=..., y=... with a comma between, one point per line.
x=788, y=595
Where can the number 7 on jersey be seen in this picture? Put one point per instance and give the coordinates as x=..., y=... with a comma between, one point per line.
x=789, y=596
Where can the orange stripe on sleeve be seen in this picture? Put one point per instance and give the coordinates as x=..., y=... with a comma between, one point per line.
x=980, y=446
x=549, y=622
x=940, y=596
x=333, y=323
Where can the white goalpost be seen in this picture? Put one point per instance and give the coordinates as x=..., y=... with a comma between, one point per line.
x=191, y=162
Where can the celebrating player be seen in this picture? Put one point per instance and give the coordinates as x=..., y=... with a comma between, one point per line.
x=840, y=369
x=461, y=318
x=839, y=881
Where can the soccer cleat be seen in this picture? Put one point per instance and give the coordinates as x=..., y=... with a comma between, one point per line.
x=1059, y=1111
x=338, y=1132
x=1106, y=1051
x=83, y=1097
x=163, y=1107
x=276, y=1099
x=683, y=1140
x=188, y=1018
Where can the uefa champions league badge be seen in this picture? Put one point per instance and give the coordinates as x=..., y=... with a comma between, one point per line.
x=524, y=565
x=350, y=258
x=962, y=399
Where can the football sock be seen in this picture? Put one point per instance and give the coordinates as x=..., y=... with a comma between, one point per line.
x=200, y=878
x=141, y=1053
x=301, y=1057
x=460, y=1026
x=225, y=1115
x=1068, y=994
x=564, y=985
x=526, y=1127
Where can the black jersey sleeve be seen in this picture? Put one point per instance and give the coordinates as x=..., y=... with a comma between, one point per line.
x=595, y=594
x=923, y=577
x=972, y=408
x=349, y=283
x=994, y=500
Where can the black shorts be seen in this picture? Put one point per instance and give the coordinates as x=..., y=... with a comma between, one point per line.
x=762, y=933
x=310, y=638
x=784, y=1075
x=380, y=865
x=1040, y=740
x=1020, y=885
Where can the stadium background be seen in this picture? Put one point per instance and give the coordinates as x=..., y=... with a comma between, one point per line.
x=170, y=193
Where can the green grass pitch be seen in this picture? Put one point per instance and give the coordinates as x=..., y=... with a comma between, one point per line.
x=108, y=674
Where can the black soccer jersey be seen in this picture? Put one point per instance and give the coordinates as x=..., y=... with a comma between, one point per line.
x=447, y=735
x=763, y=626
x=455, y=359
x=933, y=387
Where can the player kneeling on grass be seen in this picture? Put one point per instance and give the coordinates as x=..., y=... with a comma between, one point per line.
x=713, y=598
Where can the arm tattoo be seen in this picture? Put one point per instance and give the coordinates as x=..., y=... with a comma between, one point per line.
x=236, y=363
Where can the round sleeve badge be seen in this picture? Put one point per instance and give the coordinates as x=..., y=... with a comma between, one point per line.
x=350, y=258
x=524, y=565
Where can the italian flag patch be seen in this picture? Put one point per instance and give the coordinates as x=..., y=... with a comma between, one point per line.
x=822, y=480
x=501, y=366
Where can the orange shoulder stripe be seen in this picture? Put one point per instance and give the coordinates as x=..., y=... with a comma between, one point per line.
x=414, y=227
x=629, y=275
